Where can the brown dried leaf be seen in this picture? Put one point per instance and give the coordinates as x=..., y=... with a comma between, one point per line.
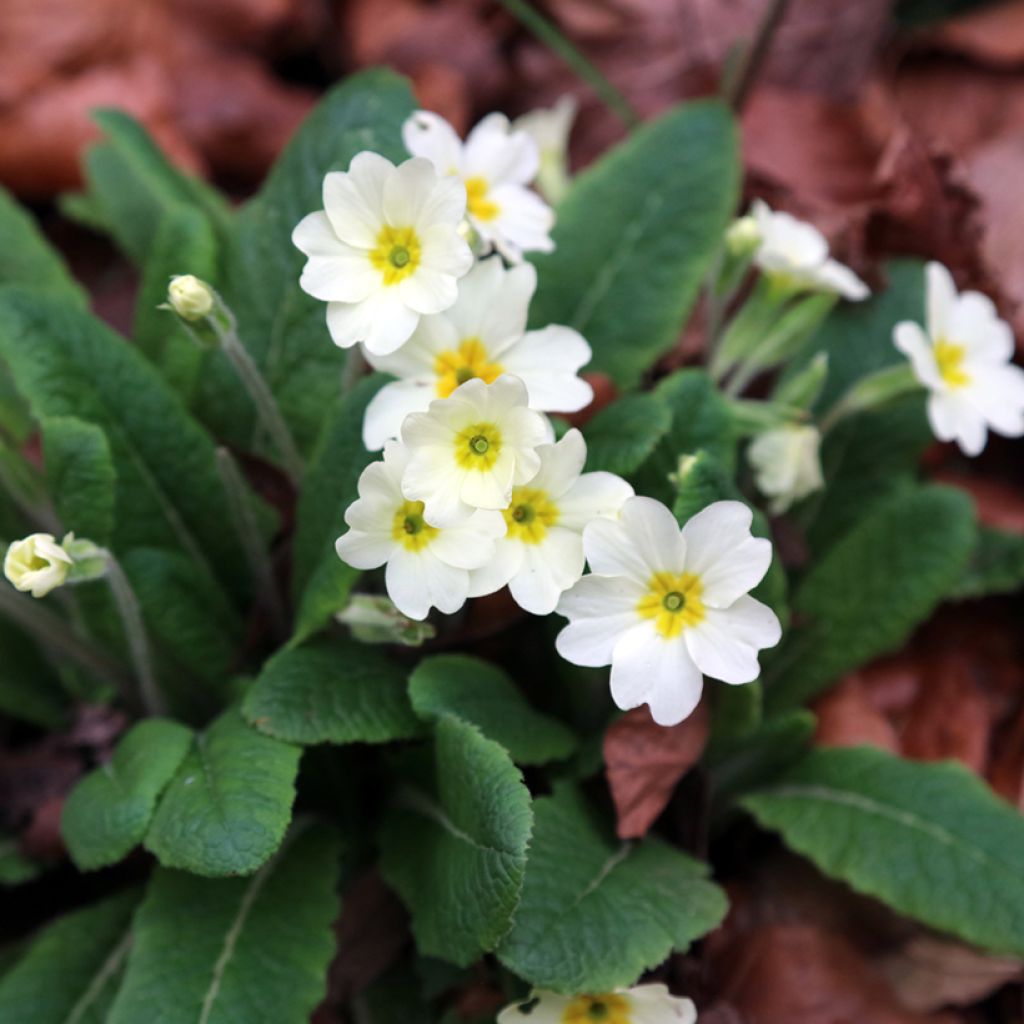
x=847, y=717
x=993, y=35
x=644, y=762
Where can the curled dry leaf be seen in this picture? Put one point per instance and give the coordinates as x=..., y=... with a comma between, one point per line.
x=847, y=717
x=644, y=762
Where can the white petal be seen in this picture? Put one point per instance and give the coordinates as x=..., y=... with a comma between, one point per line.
x=549, y=1010
x=495, y=574
x=1000, y=391
x=498, y=153
x=364, y=550
x=644, y=540
x=523, y=223
x=954, y=418
x=911, y=340
x=469, y=545
x=381, y=322
x=600, y=610
x=334, y=271
x=417, y=581
x=389, y=407
x=493, y=303
x=561, y=464
x=940, y=298
x=648, y=669
x=429, y=135
x=721, y=550
x=836, y=277
x=593, y=495
x=427, y=291
x=491, y=489
x=547, y=361
x=414, y=196
x=354, y=202
x=444, y=251
x=548, y=569
x=652, y=1004
x=416, y=359
x=725, y=643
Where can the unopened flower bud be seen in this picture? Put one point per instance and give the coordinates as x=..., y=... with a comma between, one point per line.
x=190, y=298
x=37, y=564
x=787, y=465
x=743, y=236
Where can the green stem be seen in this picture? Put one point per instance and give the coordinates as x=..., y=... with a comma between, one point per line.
x=553, y=37
x=737, y=90
x=266, y=406
x=244, y=521
x=871, y=392
x=138, y=640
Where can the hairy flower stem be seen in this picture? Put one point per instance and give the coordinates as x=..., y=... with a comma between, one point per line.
x=266, y=406
x=53, y=634
x=150, y=697
x=244, y=521
x=355, y=366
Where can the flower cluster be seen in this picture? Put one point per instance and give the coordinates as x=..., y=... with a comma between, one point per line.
x=642, y=1004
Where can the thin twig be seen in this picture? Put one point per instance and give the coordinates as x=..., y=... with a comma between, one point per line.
x=738, y=89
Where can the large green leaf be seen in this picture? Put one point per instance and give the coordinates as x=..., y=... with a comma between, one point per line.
x=169, y=495
x=236, y=951
x=69, y=973
x=622, y=435
x=863, y=598
x=996, y=565
x=596, y=912
x=636, y=235
x=456, y=851
x=321, y=581
x=336, y=691
x=283, y=328
x=484, y=696
x=226, y=810
x=28, y=688
x=108, y=812
x=81, y=477
x=931, y=840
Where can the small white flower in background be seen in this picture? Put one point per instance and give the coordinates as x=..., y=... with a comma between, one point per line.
x=496, y=163
x=468, y=451
x=549, y=127
x=482, y=336
x=665, y=605
x=426, y=567
x=642, y=1004
x=541, y=554
x=796, y=254
x=964, y=359
x=189, y=297
x=385, y=250
x=37, y=564
x=787, y=464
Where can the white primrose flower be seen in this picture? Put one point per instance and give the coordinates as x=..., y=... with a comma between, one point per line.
x=549, y=127
x=787, y=464
x=426, y=566
x=37, y=564
x=642, y=1004
x=796, y=254
x=665, y=605
x=964, y=359
x=482, y=336
x=385, y=250
x=541, y=553
x=496, y=163
x=469, y=451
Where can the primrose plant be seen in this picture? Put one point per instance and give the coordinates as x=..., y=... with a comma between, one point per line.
x=399, y=497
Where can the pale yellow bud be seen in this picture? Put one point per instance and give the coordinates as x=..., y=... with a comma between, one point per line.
x=189, y=297
x=787, y=465
x=37, y=564
x=743, y=236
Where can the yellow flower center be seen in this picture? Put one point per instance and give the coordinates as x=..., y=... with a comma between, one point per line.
x=477, y=202
x=456, y=366
x=410, y=528
x=608, y=1008
x=949, y=357
x=673, y=600
x=530, y=515
x=397, y=254
x=478, y=446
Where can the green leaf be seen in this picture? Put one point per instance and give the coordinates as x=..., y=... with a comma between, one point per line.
x=236, y=951
x=68, y=972
x=456, y=854
x=628, y=276
x=168, y=492
x=81, y=477
x=226, y=810
x=863, y=599
x=15, y=869
x=930, y=840
x=321, y=581
x=996, y=566
x=108, y=812
x=284, y=329
x=484, y=696
x=27, y=258
x=132, y=184
x=622, y=435
x=335, y=691
x=595, y=912
x=28, y=688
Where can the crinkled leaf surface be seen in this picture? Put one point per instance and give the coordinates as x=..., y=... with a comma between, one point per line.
x=996, y=565
x=931, y=840
x=236, y=951
x=483, y=695
x=81, y=477
x=456, y=851
x=622, y=435
x=596, y=912
x=226, y=810
x=332, y=690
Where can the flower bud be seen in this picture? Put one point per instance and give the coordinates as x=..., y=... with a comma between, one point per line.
x=190, y=298
x=37, y=564
x=743, y=236
x=786, y=465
